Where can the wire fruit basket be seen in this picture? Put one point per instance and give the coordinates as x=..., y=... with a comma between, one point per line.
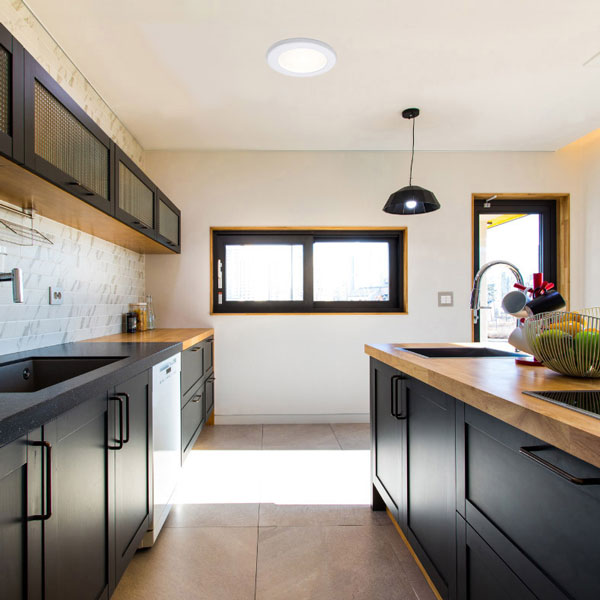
x=567, y=342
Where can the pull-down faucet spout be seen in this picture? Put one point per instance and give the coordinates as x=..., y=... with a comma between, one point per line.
x=475, y=293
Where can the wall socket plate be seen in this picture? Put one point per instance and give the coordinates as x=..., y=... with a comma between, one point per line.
x=56, y=295
x=445, y=299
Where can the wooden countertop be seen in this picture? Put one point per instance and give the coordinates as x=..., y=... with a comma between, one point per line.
x=495, y=386
x=188, y=337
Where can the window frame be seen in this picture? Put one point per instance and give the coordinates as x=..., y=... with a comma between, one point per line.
x=395, y=236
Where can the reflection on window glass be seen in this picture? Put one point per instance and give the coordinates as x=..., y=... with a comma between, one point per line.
x=264, y=272
x=511, y=237
x=351, y=271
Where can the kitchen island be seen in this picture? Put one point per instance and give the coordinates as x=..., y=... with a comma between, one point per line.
x=495, y=492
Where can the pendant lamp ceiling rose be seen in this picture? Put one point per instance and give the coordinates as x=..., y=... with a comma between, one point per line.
x=411, y=113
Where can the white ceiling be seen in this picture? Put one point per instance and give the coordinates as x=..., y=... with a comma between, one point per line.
x=487, y=74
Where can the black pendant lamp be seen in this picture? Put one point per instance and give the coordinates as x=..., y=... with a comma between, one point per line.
x=412, y=199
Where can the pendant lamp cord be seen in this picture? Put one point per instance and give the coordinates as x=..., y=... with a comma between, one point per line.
x=412, y=154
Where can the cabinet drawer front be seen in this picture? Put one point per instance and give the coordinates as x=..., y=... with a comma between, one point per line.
x=208, y=355
x=555, y=523
x=482, y=573
x=209, y=394
x=196, y=389
x=191, y=419
x=191, y=366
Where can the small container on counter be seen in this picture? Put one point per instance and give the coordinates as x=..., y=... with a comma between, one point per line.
x=151, y=317
x=131, y=319
x=141, y=311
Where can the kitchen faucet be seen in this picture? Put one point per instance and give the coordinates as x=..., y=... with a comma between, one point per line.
x=475, y=306
x=16, y=276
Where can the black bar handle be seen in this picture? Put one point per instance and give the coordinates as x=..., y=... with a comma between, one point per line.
x=87, y=191
x=126, y=396
x=120, y=442
x=47, y=510
x=403, y=412
x=140, y=225
x=394, y=399
x=197, y=398
x=528, y=452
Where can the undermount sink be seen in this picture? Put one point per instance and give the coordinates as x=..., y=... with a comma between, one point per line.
x=465, y=352
x=36, y=373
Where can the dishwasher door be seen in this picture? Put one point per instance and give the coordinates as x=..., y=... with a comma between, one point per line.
x=166, y=441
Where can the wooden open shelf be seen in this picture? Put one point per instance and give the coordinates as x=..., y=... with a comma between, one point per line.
x=26, y=190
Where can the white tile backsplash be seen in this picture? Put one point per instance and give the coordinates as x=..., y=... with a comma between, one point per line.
x=98, y=278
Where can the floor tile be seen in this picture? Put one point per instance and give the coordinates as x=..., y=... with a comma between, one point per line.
x=328, y=563
x=213, y=515
x=301, y=515
x=214, y=563
x=353, y=436
x=229, y=437
x=299, y=437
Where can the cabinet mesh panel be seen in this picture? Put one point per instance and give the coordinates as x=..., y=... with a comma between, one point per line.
x=135, y=197
x=5, y=100
x=65, y=143
x=168, y=223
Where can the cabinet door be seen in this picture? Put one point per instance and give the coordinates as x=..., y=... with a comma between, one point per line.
x=131, y=469
x=537, y=503
x=429, y=493
x=62, y=143
x=387, y=435
x=192, y=367
x=11, y=97
x=169, y=223
x=209, y=395
x=135, y=195
x=76, y=532
x=21, y=519
x=482, y=575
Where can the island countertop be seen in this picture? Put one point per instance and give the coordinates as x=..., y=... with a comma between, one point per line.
x=495, y=386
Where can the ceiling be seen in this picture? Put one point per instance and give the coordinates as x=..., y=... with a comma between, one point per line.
x=486, y=74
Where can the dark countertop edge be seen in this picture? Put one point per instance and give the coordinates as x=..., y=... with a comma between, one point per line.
x=28, y=411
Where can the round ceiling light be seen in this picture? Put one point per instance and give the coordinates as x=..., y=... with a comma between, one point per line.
x=301, y=57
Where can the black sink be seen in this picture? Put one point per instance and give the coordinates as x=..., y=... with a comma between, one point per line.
x=465, y=352
x=36, y=373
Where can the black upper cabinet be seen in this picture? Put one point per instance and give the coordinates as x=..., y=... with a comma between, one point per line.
x=136, y=195
x=168, y=231
x=62, y=143
x=11, y=97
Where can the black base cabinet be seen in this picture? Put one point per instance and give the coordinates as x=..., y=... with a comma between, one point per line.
x=491, y=512
x=74, y=498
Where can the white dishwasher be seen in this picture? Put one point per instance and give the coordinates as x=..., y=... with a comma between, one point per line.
x=166, y=442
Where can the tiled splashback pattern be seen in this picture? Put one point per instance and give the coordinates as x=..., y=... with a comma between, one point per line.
x=99, y=280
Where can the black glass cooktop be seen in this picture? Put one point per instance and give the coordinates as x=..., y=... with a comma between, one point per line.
x=584, y=401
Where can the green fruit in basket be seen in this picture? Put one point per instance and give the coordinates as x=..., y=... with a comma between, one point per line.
x=587, y=346
x=554, y=343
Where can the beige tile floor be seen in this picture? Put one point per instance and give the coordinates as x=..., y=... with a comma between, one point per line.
x=268, y=551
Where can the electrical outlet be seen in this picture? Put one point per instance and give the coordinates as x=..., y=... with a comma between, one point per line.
x=445, y=299
x=56, y=295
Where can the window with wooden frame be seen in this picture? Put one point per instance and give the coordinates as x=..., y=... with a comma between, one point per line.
x=321, y=270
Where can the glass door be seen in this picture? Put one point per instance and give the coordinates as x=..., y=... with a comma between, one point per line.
x=520, y=232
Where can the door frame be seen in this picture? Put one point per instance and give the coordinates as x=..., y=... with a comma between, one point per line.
x=563, y=236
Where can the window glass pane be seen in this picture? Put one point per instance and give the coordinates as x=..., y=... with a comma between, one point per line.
x=351, y=271
x=515, y=238
x=263, y=272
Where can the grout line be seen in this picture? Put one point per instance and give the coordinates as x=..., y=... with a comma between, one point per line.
x=256, y=563
x=262, y=435
x=335, y=436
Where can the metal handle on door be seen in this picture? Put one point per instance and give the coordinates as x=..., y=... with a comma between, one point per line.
x=527, y=451
x=47, y=510
x=120, y=441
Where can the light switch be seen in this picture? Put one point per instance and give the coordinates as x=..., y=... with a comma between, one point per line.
x=445, y=299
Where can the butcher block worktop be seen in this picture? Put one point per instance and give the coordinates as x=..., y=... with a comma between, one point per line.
x=495, y=386
x=187, y=337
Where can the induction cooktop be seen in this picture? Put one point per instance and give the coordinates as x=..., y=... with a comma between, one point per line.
x=583, y=401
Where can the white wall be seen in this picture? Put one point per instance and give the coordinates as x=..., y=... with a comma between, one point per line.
x=586, y=152
x=312, y=367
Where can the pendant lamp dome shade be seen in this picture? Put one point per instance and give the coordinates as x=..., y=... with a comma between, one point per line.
x=412, y=199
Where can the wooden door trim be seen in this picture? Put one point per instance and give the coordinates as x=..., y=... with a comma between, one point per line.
x=563, y=237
